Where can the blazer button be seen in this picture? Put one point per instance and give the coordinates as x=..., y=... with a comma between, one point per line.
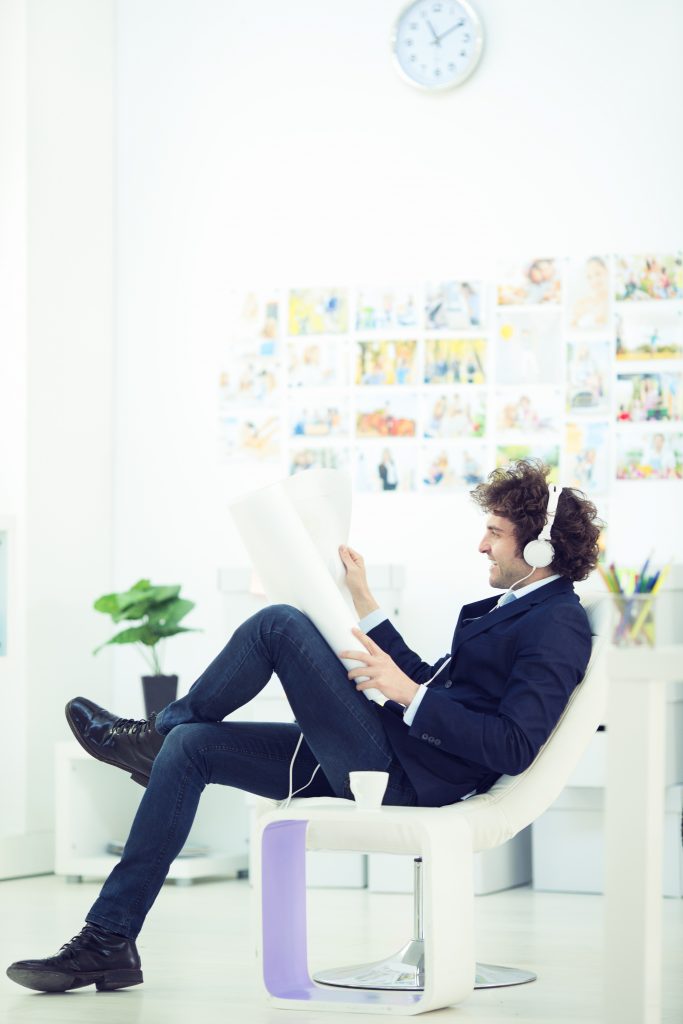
x=448, y=683
x=425, y=736
x=437, y=743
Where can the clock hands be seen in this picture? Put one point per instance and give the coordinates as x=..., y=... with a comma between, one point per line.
x=437, y=38
x=436, y=41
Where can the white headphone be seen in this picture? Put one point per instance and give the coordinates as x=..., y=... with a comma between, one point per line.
x=540, y=553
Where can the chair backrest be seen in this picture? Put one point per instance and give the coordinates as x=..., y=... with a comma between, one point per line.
x=514, y=801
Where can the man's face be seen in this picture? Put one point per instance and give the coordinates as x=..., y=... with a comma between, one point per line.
x=499, y=544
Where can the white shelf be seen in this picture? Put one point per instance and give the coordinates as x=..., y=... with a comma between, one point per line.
x=96, y=803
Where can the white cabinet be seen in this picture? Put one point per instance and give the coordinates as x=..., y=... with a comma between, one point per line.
x=95, y=805
x=568, y=839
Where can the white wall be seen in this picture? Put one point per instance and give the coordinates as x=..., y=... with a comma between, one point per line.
x=275, y=143
x=56, y=478
x=13, y=388
x=70, y=334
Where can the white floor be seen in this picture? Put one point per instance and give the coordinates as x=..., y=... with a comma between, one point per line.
x=198, y=960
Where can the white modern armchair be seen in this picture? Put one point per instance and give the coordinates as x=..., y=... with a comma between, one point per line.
x=436, y=967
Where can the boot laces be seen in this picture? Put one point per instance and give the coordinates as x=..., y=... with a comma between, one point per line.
x=133, y=726
x=75, y=942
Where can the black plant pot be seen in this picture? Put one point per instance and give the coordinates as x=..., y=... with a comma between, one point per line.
x=158, y=691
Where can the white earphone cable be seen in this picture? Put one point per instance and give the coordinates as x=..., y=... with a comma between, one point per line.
x=284, y=804
x=510, y=588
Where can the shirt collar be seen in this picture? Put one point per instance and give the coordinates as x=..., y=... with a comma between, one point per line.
x=523, y=591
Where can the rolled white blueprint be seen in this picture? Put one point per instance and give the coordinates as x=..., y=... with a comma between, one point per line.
x=292, y=531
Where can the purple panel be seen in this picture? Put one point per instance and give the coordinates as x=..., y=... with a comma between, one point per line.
x=285, y=951
x=285, y=948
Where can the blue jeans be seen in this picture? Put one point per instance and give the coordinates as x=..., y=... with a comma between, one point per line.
x=342, y=730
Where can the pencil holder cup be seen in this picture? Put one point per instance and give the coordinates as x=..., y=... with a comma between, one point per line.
x=635, y=620
x=648, y=620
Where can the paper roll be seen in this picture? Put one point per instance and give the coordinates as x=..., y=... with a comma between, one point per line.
x=292, y=531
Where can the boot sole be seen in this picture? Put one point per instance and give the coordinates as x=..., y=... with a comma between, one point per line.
x=142, y=780
x=56, y=981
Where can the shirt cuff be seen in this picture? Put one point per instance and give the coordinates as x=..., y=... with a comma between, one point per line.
x=411, y=710
x=372, y=619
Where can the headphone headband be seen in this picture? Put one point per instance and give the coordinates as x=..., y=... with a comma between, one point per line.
x=553, y=497
x=539, y=553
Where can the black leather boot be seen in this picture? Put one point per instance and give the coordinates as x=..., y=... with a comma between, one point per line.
x=93, y=957
x=124, y=742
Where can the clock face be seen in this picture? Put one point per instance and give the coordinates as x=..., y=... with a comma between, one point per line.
x=437, y=43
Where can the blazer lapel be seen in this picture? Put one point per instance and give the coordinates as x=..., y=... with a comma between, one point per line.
x=489, y=615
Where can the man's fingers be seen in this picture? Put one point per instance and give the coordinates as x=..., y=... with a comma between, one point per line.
x=345, y=555
x=363, y=656
x=348, y=554
x=355, y=672
x=369, y=644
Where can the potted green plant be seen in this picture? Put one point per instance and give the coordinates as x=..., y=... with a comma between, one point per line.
x=157, y=612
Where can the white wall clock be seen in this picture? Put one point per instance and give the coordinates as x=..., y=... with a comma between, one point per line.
x=437, y=43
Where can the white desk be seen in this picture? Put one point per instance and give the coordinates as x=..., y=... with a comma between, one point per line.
x=633, y=830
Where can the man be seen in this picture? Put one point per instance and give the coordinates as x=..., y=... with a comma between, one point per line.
x=447, y=730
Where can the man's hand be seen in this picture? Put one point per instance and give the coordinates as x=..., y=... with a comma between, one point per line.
x=383, y=673
x=357, y=581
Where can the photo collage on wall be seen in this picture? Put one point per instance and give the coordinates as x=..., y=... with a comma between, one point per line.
x=425, y=388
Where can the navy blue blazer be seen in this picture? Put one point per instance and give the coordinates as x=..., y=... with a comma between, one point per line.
x=493, y=706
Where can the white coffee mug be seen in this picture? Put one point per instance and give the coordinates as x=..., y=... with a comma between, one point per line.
x=368, y=788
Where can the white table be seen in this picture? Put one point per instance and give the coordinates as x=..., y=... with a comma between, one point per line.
x=634, y=815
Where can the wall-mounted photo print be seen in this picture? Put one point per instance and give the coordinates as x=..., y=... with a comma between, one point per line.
x=386, y=468
x=530, y=411
x=317, y=364
x=455, y=361
x=649, y=331
x=548, y=453
x=587, y=457
x=529, y=348
x=315, y=416
x=310, y=457
x=318, y=311
x=386, y=362
x=257, y=316
x=454, y=305
x=650, y=397
x=649, y=456
x=247, y=376
x=393, y=415
x=385, y=309
x=253, y=434
x=588, y=375
x=454, y=413
x=638, y=278
x=588, y=292
x=534, y=283
x=452, y=467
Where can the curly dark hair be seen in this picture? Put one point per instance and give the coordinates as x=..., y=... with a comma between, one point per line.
x=520, y=493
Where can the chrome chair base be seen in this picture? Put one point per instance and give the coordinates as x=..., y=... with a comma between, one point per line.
x=493, y=976
x=404, y=972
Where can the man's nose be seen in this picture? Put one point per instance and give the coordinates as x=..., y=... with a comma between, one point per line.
x=484, y=546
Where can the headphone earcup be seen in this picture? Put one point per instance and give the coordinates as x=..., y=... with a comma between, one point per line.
x=538, y=553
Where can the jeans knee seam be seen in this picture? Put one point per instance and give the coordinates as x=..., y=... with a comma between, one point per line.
x=239, y=750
